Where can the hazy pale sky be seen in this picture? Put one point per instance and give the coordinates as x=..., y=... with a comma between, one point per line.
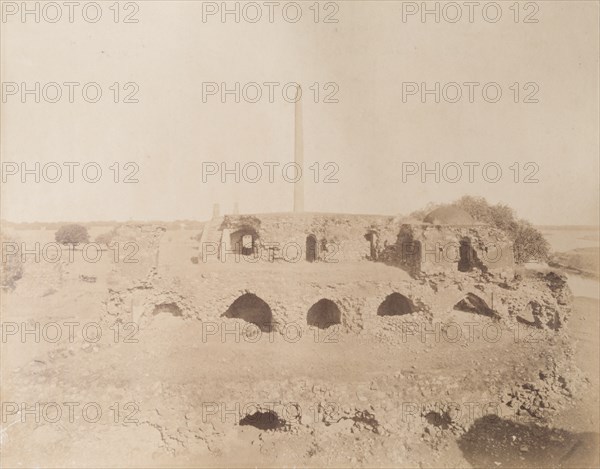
x=368, y=135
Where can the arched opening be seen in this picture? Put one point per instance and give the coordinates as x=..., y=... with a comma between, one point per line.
x=243, y=241
x=468, y=256
x=473, y=304
x=167, y=308
x=372, y=238
x=253, y=309
x=395, y=305
x=323, y=314
x=311, y=248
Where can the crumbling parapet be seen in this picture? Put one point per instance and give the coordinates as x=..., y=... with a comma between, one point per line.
x=354, y=306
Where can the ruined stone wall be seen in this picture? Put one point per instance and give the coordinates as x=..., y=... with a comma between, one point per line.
x=431, y=249
x=340, y=238
x=137, y=252
x=416, y=248
x=290, y=295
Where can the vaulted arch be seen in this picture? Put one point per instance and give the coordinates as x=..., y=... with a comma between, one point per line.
x=395, y=304
x=323, y=314
x=472, y=303
x=253, y=309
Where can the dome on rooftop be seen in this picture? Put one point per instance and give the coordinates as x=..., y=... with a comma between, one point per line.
x=449, y=216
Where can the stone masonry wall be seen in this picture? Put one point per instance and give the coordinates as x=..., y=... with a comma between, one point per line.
x=430, y=249
x=340, y=238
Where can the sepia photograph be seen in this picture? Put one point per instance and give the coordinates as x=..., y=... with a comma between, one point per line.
x=300, y=234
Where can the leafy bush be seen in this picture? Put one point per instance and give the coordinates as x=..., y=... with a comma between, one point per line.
x=72, y=234
x=529, y=243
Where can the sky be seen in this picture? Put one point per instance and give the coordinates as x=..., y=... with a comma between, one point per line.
x=371, y=145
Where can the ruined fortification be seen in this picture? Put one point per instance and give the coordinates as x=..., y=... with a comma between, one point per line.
x=320, y=270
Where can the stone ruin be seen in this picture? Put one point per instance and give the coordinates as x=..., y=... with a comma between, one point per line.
x=447, y=240
x=422, y=269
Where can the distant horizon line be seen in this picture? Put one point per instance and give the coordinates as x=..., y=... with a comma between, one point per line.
x=194, y=221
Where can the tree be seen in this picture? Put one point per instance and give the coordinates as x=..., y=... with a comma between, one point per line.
x=530, y=244
x=72, y=234
x=106, y=238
